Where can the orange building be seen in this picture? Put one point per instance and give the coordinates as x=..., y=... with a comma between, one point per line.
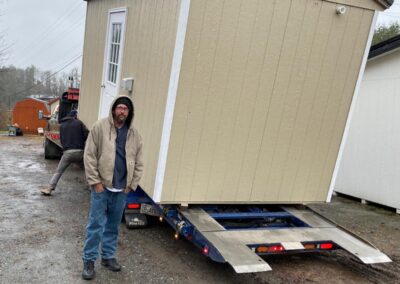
x=25, y=114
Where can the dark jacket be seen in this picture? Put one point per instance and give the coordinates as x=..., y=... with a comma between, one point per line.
x=73, y=133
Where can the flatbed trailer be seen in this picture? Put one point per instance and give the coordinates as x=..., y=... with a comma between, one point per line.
x=241, y=234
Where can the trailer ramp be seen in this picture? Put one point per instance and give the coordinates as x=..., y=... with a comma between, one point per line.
x=235, y=245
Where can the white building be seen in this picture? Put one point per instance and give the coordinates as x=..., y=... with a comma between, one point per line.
x=370, y=165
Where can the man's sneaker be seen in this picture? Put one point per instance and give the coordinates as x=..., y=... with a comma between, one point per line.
x=111, y=264
x=47, y=191
x=88, y=270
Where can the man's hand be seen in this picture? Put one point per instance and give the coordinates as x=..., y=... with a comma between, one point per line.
x=99, y=188
x=127, y=190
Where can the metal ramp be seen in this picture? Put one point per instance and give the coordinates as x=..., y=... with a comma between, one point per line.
x=233, y=245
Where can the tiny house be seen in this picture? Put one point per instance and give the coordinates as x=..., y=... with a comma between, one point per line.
x=370, y=165
x=239, y=101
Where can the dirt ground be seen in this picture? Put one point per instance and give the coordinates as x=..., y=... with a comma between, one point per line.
x=41, y=238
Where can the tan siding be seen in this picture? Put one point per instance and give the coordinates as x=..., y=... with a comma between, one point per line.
x=300, y=94
x=171, y=191
x=258, y=106
x=303, y=148
x=149, y=44
x=236, y=112
x=357, y=34
x=243, y=173
x=267, y=81
x=277, y=131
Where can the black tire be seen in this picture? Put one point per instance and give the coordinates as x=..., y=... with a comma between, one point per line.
x=134, y=221
x=51, y=150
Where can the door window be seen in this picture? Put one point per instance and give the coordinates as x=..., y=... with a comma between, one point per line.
x=114, y=52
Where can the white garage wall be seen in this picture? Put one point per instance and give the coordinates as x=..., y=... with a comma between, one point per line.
x=370, y=167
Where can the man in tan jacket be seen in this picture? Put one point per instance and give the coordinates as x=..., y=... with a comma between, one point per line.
x=113, y=167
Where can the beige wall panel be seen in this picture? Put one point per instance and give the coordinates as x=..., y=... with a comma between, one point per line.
x=216, y=99
x=298, y=100
x=329, y=110
x=330, y=135
x=171, y=191
x=278, y=129
x=326, y=102
x=264, y=94
x=230, y=107
x=242, y=174
x=300, y=151
x=245, y=65
x=198, y=98
x=358, y=32
x=271, y=158
x=149, y=44
x=314, y=152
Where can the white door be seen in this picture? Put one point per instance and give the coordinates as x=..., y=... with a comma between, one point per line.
x=112, y=61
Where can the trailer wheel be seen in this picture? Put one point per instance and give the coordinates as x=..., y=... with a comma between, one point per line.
x=135, y=220
x=51, y=150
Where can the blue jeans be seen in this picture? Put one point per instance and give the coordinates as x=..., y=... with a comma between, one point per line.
x=106, y=209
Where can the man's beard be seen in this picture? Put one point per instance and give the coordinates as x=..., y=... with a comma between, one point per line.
x=120, y=118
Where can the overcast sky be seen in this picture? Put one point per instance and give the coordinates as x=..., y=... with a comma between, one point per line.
x=44, y=33
x=49, y=33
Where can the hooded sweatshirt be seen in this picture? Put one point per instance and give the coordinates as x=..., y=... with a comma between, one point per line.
x=100, y=151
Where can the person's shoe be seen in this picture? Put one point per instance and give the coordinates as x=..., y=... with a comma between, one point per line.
x=88, y=270
x=111, y=264
x=47, y=191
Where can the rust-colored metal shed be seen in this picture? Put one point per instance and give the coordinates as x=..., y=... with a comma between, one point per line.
x=25, y=114
x=238, y=101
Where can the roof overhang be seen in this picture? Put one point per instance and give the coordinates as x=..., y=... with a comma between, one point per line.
x=384, y=47
x=385, y=3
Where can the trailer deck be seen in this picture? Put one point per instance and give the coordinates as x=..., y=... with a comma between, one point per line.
x=238, y=247
x=241, y=234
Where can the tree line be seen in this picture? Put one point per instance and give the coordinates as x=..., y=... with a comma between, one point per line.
x=17, y=84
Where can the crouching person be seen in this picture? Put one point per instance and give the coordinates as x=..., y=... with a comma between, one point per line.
x=113, y=166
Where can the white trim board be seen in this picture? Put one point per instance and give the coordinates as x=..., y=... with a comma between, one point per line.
x=171, y=98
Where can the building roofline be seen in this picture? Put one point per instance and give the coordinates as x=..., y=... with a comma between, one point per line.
x=385, y=3
x=384, y=47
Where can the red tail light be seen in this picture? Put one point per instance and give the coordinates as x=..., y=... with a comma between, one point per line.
x=276, y=248
x=326, y=246
x=133, y=206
